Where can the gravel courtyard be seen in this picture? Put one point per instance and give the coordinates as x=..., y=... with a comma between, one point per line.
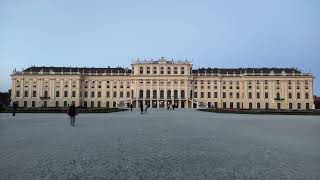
x=180, y=144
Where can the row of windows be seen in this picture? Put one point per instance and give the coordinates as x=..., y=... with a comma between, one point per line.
x=163, y=70
x=175, y=94
x=73, y=81
x=66, y=104
x=250, y=95
x=239, y=105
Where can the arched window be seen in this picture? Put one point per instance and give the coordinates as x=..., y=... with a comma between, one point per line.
x=154, y=70
x=175, y=94
x=182, y=94
x=45, y=93
x=154, y=94
x=175, y=70
x=161, y=94
x=169, y=94
x=141, y=70
x=278, y=95
x=148, y=70
x=182, y=70
x=161, y=70
x=168, y=70
x=148, y=93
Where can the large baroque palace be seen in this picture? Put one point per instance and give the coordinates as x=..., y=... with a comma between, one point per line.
x=161, y=83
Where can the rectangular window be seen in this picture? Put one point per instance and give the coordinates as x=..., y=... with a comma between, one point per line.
x=57, y=93
x=250, y=95
x=267, y=106
x=25, y=104
x=18, y=94
x=57, y=103
x=128, y=94
x=86, y=94
x=195, y=94
x=85, y=104
x=65, y=93
x=108, y=94
x=307, y=96
x=238, y=95
x=73, y=93
x=121, y=94
x=231, y=105
x=99, y=94
x=92, y=94
x=114, y=94
x=215, y=94
x=258, y=105
x=224, y=95
x=290, y=105
x=65, y=103
x=34, y=93
x=250, y=105
x=209, y=94
x=33, y=104
x=307, y=106
x=99, y=104
x=202, y=94
x=258, y=95
x=230, y=95
x=290, y=95
x=266, y=95
x=25, y=93
x=92, y=104
x=298, y=95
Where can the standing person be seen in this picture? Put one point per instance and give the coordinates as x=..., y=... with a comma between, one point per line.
x=141, y=108
x=131, y=106
x=173, y=106
x=72, y=112
x=14, y=108
x=146, y=109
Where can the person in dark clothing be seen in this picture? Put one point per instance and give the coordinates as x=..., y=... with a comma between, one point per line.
x=141, y=108
x=72, y=112
x=14, y=108
x=131, y=106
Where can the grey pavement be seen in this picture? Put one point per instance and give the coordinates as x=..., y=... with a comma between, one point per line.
x=180, y=144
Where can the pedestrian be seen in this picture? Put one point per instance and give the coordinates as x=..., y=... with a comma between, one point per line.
x=141, y=108
x=173, y=106
x=146, y=109
x=14, y=108
x=131, y=106
x=168, y=107
x=72, y=112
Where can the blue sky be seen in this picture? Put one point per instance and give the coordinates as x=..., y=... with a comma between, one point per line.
x=228, y=33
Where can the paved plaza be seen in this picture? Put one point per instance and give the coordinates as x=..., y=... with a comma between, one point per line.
x=180, y=144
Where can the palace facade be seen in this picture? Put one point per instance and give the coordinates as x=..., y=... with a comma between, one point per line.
x=161, y=83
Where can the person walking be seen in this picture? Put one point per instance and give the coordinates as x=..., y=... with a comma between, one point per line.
x=72, y=112
x=141, y=108
x=131, y=106
x=14, y=108
x=146, y=109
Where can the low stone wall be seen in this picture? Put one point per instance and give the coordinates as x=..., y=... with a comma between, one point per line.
x=62, y=110
x=276, y=112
